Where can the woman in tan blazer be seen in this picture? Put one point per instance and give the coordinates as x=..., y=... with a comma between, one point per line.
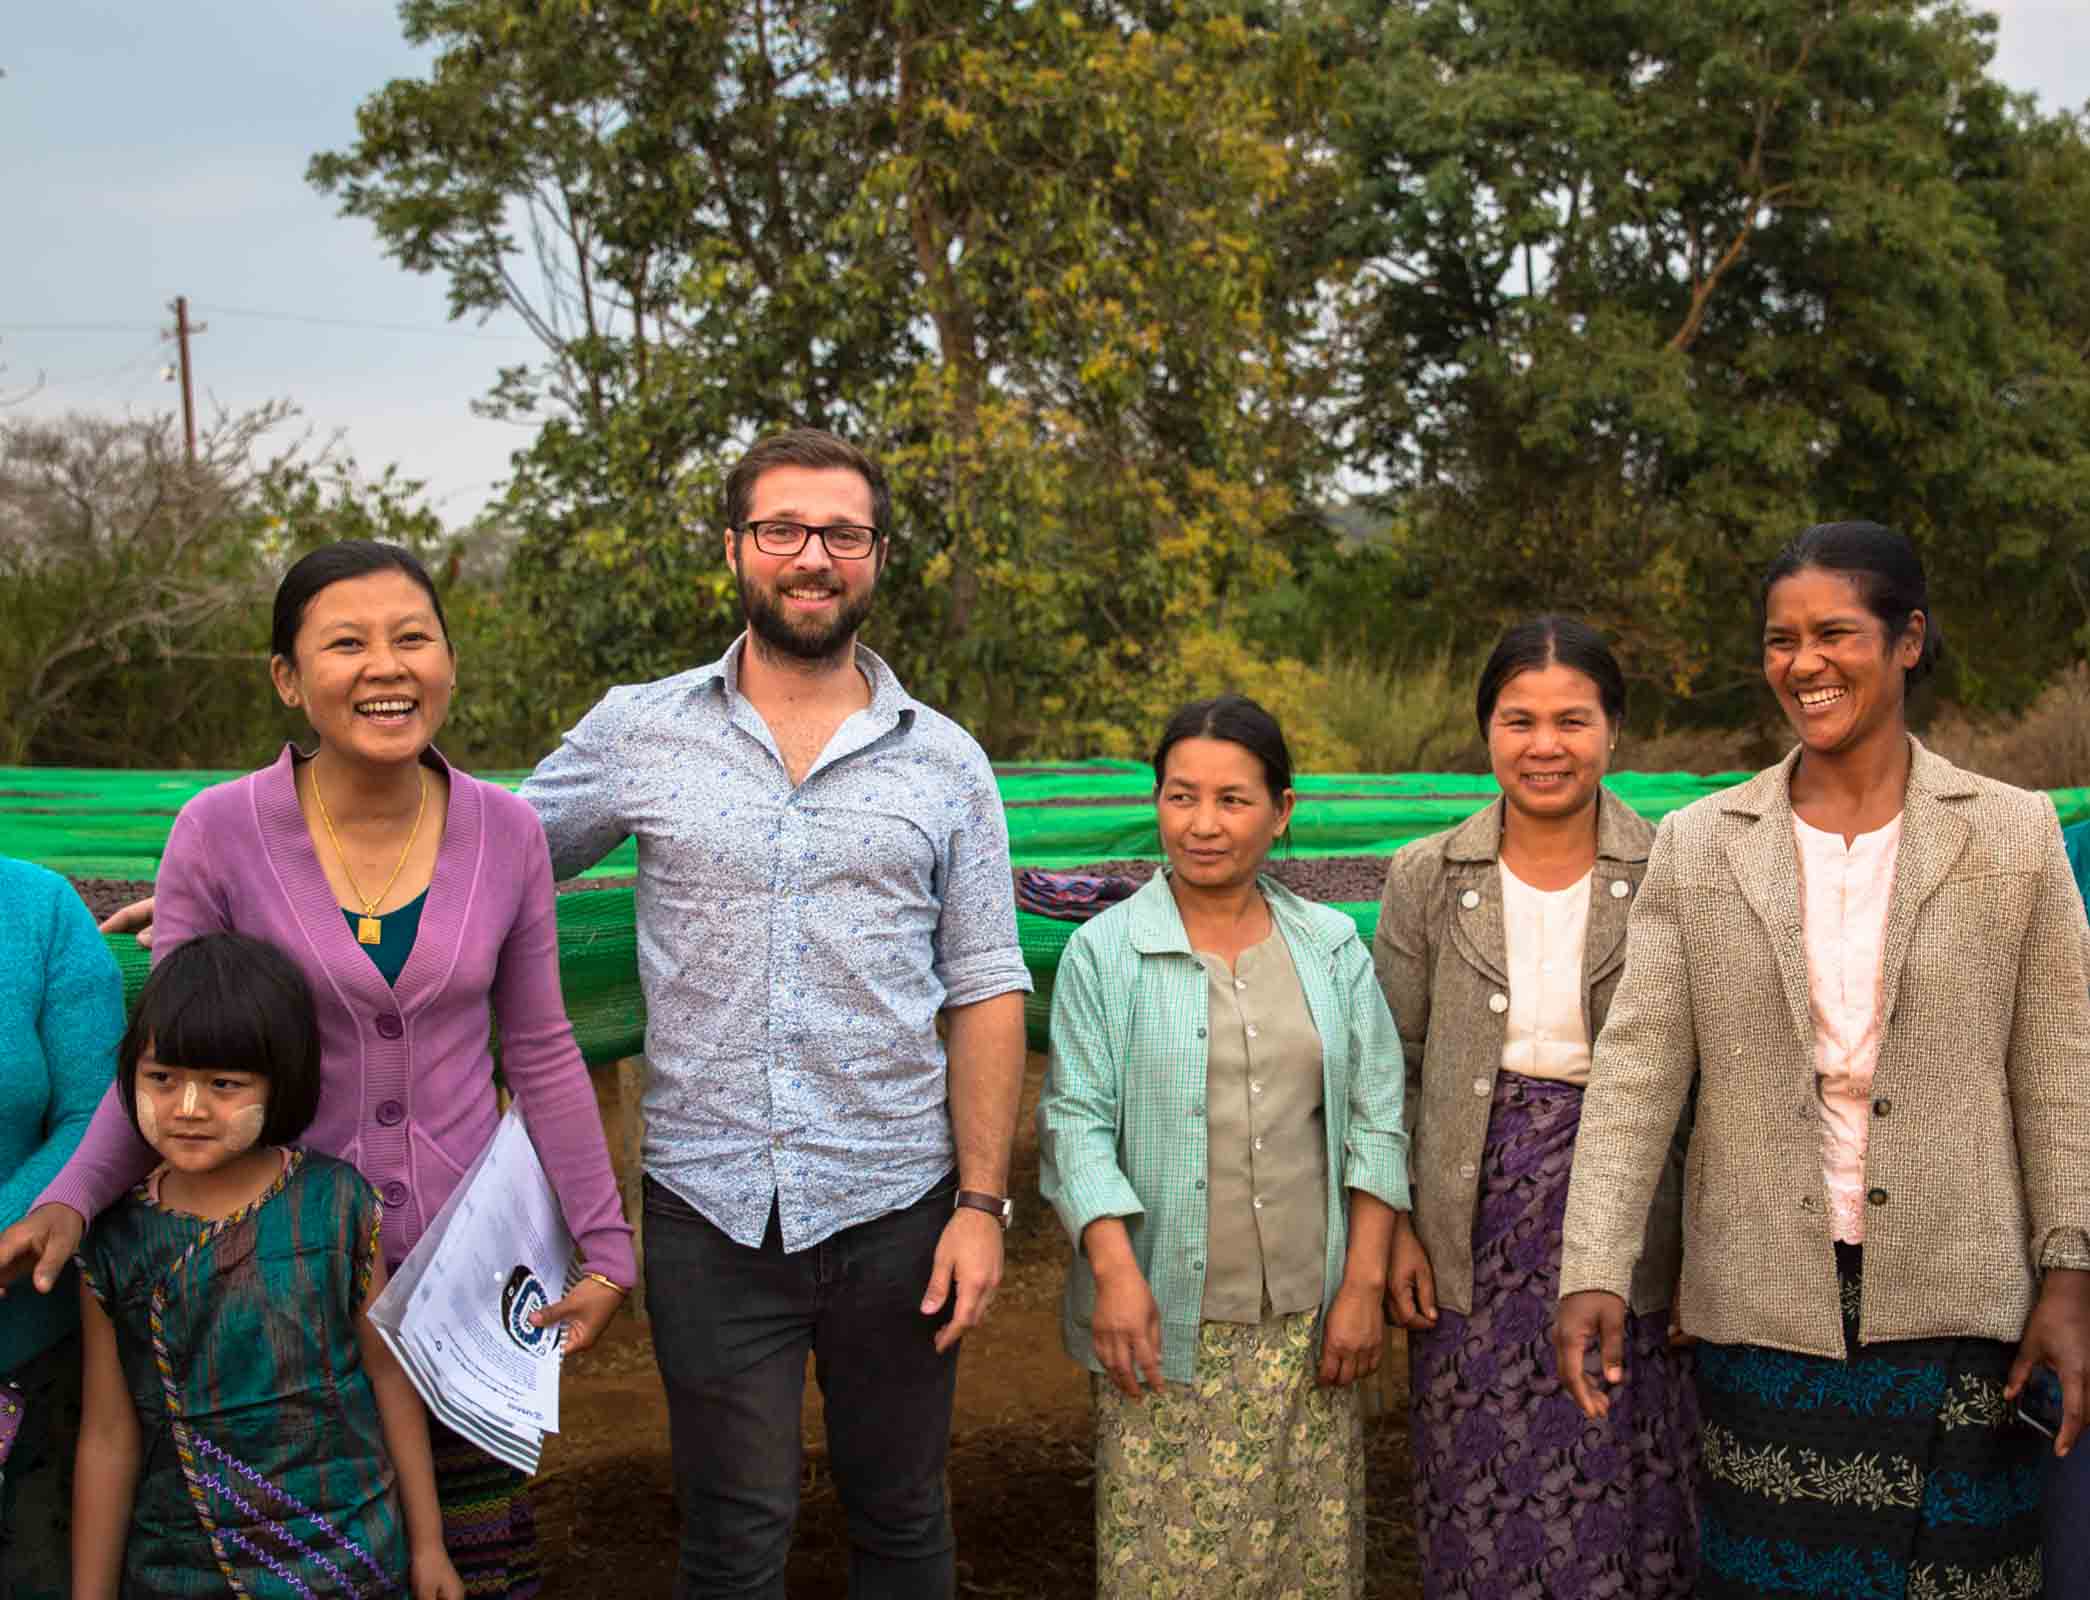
x=1873, y=965
x=1499, y=945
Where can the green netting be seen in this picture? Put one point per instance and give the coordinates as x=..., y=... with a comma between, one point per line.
x=113, y=824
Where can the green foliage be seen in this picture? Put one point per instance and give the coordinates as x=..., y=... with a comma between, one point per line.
x=1658, y=285
x=1046, y=261
x=135, y=588
x=1592, y=302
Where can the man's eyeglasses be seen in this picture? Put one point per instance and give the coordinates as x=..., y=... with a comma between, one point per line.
x=845, y=541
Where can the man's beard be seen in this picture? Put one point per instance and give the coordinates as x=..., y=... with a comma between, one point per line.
x=801, y=639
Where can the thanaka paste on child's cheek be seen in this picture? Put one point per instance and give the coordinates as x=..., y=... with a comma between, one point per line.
x=243, y=1127
x=148, y=1121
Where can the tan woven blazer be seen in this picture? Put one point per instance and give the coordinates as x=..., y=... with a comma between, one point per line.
x=1442, y=964
x=1978, y=1164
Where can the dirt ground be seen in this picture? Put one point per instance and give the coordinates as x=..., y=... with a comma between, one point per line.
x=1020, y=1474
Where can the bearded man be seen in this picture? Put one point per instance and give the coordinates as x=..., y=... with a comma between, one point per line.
x=823, y=869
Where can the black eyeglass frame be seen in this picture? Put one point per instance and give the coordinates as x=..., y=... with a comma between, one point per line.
x=808, y=531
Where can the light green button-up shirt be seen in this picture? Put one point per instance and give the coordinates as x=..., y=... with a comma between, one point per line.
x=1121, y=1123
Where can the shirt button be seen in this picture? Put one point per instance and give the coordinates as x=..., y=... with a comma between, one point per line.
x=1199, y=1184
x=1470, y=899
x=1877, y=1196
x=1258, y=1144
x=389, y=1026
x=1259, y=1202
x=395, y=1194
x=1498, y=1003
x=1481, y=1086
x=1197, y=1108
x=391, y=1113
x=1251, y=1030
x=1255, y=1085
x=1201, y=1033
x=1197, y=1266
x=1806, y=1113
x=777, y=1140
x=1881, y=1107
x=1240, y=983
x=1620, y=888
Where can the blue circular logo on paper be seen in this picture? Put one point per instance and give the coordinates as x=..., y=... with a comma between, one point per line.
x=523, y=1295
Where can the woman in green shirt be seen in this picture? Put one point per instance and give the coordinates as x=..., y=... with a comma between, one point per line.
x=1221, y=1135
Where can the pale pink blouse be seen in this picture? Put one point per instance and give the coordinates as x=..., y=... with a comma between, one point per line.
x=1844, y=891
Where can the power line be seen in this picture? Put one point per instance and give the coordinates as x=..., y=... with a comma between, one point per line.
x=77, y=327
x=381, y=327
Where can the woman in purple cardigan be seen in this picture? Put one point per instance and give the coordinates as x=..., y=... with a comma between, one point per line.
x=418, y=901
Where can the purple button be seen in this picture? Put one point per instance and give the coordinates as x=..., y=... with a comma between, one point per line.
x=395, y=1194
x=389, y=1026
x=390, y=1113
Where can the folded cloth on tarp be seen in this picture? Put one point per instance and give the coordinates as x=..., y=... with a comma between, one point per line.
x=1070, y=896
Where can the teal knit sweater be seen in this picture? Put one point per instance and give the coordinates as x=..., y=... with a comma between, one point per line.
x=61, y=1015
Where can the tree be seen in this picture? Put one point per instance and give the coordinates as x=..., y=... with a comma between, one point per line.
x=1040, y=258
x=1657, y=285
x=135, y=585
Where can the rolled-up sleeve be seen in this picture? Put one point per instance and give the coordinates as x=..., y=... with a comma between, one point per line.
x=1375, y=1143
x=976, y=953
x=1080, y=1107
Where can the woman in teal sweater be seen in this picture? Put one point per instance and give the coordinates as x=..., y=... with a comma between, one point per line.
x=61, y=1014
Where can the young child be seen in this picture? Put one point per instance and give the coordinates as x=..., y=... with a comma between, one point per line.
x=243, y=1424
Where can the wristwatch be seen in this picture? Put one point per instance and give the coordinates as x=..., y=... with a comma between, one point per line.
x=999, y=1206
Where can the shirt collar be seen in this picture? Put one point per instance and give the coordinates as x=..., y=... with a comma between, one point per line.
x=890, y=703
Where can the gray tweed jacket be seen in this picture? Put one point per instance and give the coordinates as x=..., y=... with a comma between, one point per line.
x=1441, y=959
x=1978, y=1164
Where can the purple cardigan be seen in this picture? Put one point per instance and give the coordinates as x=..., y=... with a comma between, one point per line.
x=408, y=1095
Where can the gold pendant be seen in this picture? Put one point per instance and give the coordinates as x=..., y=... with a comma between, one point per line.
x=370, y=930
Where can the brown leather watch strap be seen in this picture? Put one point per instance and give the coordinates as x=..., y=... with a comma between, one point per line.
x=997, y=1206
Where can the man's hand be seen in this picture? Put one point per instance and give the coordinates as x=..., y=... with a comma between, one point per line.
x=1354, y=1336
x=1590, y=1317
x=133, y=918
x=44, y=1241
x=586, y=1311
x=2057, y=1335
x=968, y=1260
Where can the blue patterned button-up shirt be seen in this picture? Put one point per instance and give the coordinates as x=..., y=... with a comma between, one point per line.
x=795, y=944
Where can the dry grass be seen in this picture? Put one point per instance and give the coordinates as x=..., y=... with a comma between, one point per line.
x=2047, y=748
x=1414, y=716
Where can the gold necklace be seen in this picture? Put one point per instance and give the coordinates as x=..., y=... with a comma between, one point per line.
x=370, y=927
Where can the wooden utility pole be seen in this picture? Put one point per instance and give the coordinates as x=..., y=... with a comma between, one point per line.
x=182, y=330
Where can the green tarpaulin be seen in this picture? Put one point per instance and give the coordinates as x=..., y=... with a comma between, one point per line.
x=111, y=824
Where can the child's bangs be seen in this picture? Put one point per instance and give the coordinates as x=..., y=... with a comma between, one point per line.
x=206, y=1022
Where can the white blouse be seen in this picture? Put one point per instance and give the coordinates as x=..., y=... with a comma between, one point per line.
x=1544, y=931
x=1844, y=892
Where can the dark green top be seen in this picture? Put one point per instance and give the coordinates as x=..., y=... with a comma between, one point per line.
x=264, y=1469
x=399, y=929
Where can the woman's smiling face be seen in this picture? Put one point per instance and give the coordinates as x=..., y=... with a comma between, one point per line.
x=372, y=670
x=1549, y=741
x=1838, y=677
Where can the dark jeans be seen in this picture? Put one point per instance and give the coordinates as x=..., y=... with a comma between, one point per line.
x=731, y=1330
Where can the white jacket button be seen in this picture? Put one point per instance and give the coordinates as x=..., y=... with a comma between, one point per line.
x=1498, y=1003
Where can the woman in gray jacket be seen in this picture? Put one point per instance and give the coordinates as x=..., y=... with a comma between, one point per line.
x=1499, y=945
x=1872, y=966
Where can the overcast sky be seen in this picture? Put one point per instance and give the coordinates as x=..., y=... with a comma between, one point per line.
x=149, y=151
